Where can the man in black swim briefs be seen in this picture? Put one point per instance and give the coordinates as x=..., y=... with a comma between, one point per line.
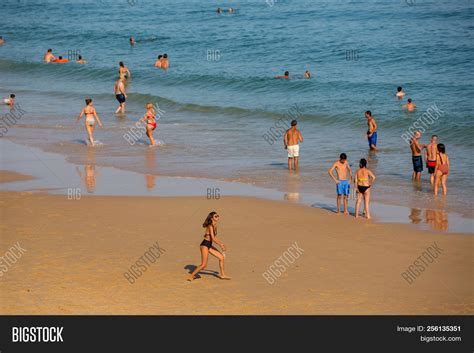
x=120, y=95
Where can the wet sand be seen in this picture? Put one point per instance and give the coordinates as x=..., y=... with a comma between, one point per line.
x=78, y=250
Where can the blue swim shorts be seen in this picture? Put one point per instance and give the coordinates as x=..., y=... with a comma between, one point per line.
x=373, y=139
x=343, y=187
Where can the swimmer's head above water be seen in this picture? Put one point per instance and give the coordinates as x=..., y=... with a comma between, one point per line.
x=88, y=101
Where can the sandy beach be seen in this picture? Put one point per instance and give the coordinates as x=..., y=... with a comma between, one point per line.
x=76, y=253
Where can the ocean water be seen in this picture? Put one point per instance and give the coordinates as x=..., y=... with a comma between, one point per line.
x=220, y=99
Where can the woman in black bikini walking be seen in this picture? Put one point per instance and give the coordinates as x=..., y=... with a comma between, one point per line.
x=206, y=246
x=363, y=187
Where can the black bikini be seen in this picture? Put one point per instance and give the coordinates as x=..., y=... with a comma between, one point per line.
x=208, y=243
x=362, y=189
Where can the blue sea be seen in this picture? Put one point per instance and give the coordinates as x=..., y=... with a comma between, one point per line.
x=220, y=101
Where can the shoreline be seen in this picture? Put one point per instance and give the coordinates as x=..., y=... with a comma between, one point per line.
x=56, y=175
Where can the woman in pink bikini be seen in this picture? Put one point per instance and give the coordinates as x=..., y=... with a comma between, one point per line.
x=150, y=120
x=442, y=169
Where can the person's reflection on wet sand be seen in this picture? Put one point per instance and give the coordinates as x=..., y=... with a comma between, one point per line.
x=415, y=216
x=292, y=187
x=437, y=219
x=150, y=163
x=88, y=177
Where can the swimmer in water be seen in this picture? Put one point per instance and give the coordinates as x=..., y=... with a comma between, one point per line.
x=219, y=10
x=48, y=57
x=10, y=101
x=343, y=181
x=371, y=130
x=120, y=95
x=158, y=61
x=285, y=76
x=231, y=10
x=409, y=106
x=60, y=60
x=150, y=120
x=132, y=41
x=400, y=94
x=80, y=60
x=307, y=74
x=2, y=41
x=91, y=117
x=206, y=247
x=124, y=72
x=442, y=169
x=164, y=62
x=364, y=178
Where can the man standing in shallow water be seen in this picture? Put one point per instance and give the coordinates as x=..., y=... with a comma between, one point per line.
x=416, y=156
x=291, y=139
x=371, y=130
x=430, y=156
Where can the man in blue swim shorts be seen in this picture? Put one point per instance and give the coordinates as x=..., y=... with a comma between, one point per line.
x=343, y=180
x=371, y=130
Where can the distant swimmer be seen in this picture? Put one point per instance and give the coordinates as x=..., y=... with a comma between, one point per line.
x=442, y=169
x=371, y=130
x=430, y=157
x=364, y=178
x=164, y=62
x=150, y=120
x=158, y=61
x=2, y=41
x=120, y=95
x=124, y=71
x=207, y=247
x=132, y=41
x=231, y=10
x=417, y=160
x=343, y=181
x=10, y=101
x=91, y=116
x=409, y=106
x=307, y=74
x=400, y=94
x=219, y=10
x=48, y=57
x=291, y=139
x=80, y=60
x=286, y=75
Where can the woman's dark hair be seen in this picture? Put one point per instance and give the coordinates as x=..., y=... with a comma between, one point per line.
x=80, y=57
x=165, y=55
x=88, y=101
x=399, y=89
x=160, y=56
x=121, y=63
x=441, y=148
x=208, y=220
x=287, y=73
x=363, y=163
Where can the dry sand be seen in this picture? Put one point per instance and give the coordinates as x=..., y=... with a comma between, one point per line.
x=78, y=250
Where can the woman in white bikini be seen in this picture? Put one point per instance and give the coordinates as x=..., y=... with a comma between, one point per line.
x=91, y=116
